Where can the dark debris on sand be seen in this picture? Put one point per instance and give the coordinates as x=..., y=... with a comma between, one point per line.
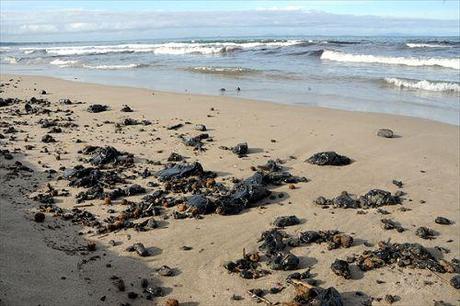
x=329, y=158
x=192, y=192
x=97, y=108
x=373, y=199
x=411, y=255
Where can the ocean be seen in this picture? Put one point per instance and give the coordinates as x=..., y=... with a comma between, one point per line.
x=414, y=76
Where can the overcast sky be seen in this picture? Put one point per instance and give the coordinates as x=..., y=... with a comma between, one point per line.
x=105, y=20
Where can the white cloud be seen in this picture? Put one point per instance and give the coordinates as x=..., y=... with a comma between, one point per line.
x=96, y=24
x=38, y=28
x=281, y=8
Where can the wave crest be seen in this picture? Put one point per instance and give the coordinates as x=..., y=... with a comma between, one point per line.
x=9, y=60
x=452, y=63
x=425, y=45
x=171, y=48
x=424, y=85
x=62, y=63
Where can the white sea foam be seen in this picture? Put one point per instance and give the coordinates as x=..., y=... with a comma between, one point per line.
x=35, y=51
x=114, y=67
x=223, y=70
x=453, y=63
x=424, y=85
x=62, y=63
x=173, y=48
x=414, y=45
x=9, y=60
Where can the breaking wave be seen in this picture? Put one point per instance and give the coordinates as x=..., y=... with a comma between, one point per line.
x=414, y=45
x=342, y=42
x=424, y=85
x=453, y=63
x=9, y=60
x=4, y=49
x=35, y=51
x=62, y=63
x=171, y=48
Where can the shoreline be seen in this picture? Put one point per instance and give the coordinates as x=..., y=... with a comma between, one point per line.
x=423, y=155
x=235, y=98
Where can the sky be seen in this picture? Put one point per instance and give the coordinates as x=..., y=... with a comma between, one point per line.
x=125, y=20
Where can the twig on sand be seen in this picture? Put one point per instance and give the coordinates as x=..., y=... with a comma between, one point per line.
x=83, y=205
x=301, y=287
x=443, y=280
x=259, y=298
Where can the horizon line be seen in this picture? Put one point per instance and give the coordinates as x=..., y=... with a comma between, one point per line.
x=402, y=35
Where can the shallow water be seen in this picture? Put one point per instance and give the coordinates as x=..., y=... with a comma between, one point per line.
x=415, y=76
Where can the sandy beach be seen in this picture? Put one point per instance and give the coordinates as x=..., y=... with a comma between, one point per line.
x=54, y=262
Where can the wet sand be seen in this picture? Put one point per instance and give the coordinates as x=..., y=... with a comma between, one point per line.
x=42, y=263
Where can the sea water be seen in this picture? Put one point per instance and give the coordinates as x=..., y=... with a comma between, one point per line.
x=415, y=76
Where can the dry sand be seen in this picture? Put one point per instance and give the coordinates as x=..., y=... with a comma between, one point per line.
x=40, y=263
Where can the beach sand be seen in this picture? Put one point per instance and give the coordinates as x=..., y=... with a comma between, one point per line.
x=46, y=263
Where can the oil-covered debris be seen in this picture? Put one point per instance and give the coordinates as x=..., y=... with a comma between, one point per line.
x=18, y=167
x=130, y=121
x=241, y=149
x=286, y=221
x=175, y=157
x=140, y=249
x=275, y=246
x=165, y=271
x=97, y=108
x=389, y=224
x=397, y=183
x=62, y=123
x=455, y=281
x=283, y=261
x=372, y=199
x=377, y=197
x=8, y=101
x=48, y=139
x=196, y=141
x=442, y=220
x=247, y=192
x=175, y=126
x=411, y=255
x=200, y=205
x=247, y=267
x=5, y=153
x=425, y=232
x=385, y=133
x=310, y=295
x=341, y=268
x=80, y=176
x=39, y=217
x=253, y=189
x=334, y=239
x=131, y=190
x=329, y=158
x=126, y=109
x=179, y=171
x=100, y=156
x=201, y=127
